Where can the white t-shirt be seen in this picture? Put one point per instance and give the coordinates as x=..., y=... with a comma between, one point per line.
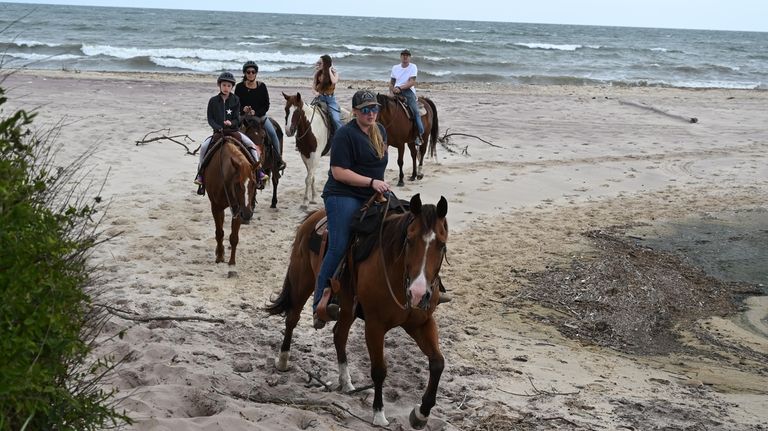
x=402, y=75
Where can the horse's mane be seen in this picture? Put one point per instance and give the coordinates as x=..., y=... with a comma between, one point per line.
x=395, y=228
x=243, y=163
x=382, y=99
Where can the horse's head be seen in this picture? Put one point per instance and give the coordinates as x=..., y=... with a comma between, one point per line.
x=425, y=247
x=253, y=128
x=294, y=106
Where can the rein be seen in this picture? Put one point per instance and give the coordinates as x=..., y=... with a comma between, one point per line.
x=383, y=262
x=309, y=128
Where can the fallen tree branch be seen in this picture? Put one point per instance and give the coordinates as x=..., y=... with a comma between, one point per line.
x=659, y=111
x=146, y=140
x=447, y=135
x=176, y=318
x=537, y=391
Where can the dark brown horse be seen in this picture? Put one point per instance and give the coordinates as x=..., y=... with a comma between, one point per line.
x=254, y=129
x=396, y=285
x=227, y=175
x=401, y=130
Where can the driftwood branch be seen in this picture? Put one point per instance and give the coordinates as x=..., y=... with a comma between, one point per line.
x=537, y=392
x=447, y=135
x=146, y=139
x=445, y=141
x=152, y=318
x=659, y=111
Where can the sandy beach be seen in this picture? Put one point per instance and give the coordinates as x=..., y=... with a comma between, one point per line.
x=545, y=164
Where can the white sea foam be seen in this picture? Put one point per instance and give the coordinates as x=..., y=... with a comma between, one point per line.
x=456, y=40
x=42, y=57
x=370, y=48
x=30, y=43
x=534, y=45
x=212, y=55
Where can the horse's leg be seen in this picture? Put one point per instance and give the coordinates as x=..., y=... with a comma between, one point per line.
x=340, y=336
x=374, y=339
x=315, y=160
x=300, y=292
x=400, y=151
x=307, y=179
x=234, y=238
x=414, y=157
x=252, y=194
x=423, y=148
x=275, y=180
x=218, y=220
x=427, y=339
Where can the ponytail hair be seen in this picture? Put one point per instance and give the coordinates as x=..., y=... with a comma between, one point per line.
x=377, y=141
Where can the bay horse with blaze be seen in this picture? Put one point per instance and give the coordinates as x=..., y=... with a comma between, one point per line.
x=227, y=176
x=397, y=284
x=402, y=130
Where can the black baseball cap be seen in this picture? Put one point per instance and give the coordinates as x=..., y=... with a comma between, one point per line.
x=363, y=98
x=405, y=52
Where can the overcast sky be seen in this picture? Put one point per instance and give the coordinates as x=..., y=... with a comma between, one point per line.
x=748, y=15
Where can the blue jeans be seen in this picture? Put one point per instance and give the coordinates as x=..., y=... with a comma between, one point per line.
x=410, y=97
x=340, y=211
x=333, y=109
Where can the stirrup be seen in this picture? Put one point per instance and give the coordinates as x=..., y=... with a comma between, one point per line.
x=326, y=311
x=444, y=297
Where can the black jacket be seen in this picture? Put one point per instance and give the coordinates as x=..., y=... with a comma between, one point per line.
x=219, y=110
x=257, y=98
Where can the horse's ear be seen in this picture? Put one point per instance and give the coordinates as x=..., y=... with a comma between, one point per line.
x=415, y=204
x=285, y=95
x=298, y=97
x=442, y=207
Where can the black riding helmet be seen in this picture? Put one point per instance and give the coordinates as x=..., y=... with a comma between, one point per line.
x=250, y=65
x=226, y=76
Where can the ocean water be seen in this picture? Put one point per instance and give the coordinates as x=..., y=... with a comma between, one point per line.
x=287, y=45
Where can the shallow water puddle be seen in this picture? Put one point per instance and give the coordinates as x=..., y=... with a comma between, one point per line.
x=731, y=246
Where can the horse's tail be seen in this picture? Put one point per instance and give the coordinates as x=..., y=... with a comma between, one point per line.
x=281, y=304
x=434, y=131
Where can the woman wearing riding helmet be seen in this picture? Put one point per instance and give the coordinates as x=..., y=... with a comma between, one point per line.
x=254, y=100
x=223, y=114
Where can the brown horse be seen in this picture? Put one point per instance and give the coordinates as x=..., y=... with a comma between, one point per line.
x=254, y=129
x=226, y=178
x=395, y=285
x=401, y=130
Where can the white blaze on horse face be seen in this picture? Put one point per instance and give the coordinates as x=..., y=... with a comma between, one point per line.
x=419, y=285
x=289, y=120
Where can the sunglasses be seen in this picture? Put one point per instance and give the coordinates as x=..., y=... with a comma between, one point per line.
x=250, y=72
x=369, y=109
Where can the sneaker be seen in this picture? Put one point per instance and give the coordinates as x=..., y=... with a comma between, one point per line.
x=199, y=180
x=262, y=176
x=282, y=166
x=317, y=322
x=417, y=142
x=201, y=190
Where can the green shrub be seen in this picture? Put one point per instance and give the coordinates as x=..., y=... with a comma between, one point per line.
x=47, y=318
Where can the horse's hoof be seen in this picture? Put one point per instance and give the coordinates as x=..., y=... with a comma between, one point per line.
x=379, y=419
x=232, y=274
x=420, y=176
x=417, y=421
x=281, y=363
x=400, y=183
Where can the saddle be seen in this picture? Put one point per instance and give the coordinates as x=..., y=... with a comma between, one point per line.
x=403, y=103
x=325, y=114
x=365, y=232
x=217, y=140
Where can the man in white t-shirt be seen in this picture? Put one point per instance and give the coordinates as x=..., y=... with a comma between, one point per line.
x=403, y=81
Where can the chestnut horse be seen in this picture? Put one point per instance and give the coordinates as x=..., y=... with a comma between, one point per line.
x=311, y=129
x=226, y=177
x=254, y=129
x=395, y=285
x=401, y=130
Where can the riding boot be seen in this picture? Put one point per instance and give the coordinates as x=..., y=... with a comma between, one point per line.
x=444, y=296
